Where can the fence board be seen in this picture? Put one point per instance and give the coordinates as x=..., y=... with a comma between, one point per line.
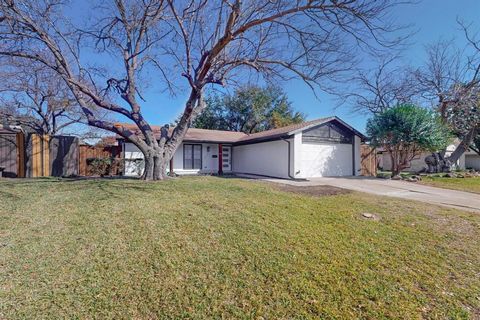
x=40, y=164
x=20, y=155
x=368, y=160
x=91, y=152
x=8, y=154
x=64, y=156
x=44, y=143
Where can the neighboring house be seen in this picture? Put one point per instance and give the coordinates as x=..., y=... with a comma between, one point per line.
x=472, y=160
x=318, y=148
x=469, y=160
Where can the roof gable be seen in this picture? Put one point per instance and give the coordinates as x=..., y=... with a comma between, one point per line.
x=331, y=119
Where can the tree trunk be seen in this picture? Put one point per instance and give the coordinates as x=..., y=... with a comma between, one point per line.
x=394, y=159
x=149, y=166
x=463, y=146
x=160, y=168
x=155, y=165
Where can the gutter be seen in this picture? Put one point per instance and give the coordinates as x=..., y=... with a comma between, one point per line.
x=289, y=158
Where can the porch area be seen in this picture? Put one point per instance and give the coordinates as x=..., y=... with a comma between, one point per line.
x=190, y=158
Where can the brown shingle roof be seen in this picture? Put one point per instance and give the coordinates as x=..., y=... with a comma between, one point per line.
x=9, y=129
x=219, y=136
x=194, y=134
x=200, y=135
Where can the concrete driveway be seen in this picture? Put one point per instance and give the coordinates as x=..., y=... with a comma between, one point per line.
x=399, y=189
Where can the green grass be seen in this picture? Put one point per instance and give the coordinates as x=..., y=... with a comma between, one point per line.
x=462, y=184
x=204, y=248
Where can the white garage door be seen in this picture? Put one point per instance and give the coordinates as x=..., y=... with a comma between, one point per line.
x=326, y=160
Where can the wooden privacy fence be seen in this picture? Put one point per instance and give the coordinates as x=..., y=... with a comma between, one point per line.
x=55, y=156
x=33, y=155
x=368, y=161
x=90, y=153
x=12, y=154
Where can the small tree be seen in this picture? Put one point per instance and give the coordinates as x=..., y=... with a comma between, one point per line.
x=405, y=131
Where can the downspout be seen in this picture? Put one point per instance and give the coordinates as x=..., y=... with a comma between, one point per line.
x=289, y=158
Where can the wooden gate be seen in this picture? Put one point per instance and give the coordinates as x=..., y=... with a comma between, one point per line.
x=64, y=155
x=55, y=156
x=40, y=155
x=88, y=153
x=368, y=161
x=12, y=153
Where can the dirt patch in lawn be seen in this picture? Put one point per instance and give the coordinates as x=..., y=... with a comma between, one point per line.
x=317, y=191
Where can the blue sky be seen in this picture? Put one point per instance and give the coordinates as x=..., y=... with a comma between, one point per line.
x=433, y=19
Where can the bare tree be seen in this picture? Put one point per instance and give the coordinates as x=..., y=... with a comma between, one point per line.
x=208, y=42
x=35, y=97
x=450, y=80
x=387, y=85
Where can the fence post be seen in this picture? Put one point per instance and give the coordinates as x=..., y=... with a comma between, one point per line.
x=20, y=155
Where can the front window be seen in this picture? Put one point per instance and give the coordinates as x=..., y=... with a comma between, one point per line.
x=192, y=156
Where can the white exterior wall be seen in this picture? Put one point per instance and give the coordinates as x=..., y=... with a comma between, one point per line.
x=133, y=160
x=265, y=158
x=358, y=155
x=418, y=163
x=297, y=155
x=209, y=162
x=472, y=160
x=460, y=164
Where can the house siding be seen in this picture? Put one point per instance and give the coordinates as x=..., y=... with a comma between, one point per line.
x=472, y=160
x=358, y=155
x=265, y=158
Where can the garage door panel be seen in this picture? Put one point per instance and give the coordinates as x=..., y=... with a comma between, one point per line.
x=326, y=160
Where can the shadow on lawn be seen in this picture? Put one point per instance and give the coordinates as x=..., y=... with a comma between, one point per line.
x=113, y=187
x=8, y=195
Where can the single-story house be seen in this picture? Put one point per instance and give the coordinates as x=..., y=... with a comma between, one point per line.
x=317, y=148
x=469, y=160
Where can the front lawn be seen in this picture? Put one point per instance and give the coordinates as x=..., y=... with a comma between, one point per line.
x=207, y=248
x=462, y=184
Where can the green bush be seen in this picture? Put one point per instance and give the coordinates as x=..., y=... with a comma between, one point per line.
x=405, y=131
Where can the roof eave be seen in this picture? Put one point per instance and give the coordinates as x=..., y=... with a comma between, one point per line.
x=264, y=139
x=358, y=133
